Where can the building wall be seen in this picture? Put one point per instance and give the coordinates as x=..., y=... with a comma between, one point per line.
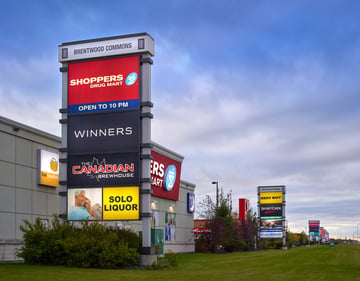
x=184, y=241
x=21, y=197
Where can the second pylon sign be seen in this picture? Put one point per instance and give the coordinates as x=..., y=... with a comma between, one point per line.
x=271, y=209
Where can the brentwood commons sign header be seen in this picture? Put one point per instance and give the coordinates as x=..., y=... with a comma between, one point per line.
x=110, y=46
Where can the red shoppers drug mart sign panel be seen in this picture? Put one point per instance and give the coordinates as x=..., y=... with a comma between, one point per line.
x=165, y=175
x=103, y=85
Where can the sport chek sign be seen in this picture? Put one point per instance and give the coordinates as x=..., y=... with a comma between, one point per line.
x=103, y=85
x=165, y=175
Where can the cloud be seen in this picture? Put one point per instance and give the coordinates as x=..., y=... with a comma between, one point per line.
x=246, y=127
x=30, y=93
x=250, y=94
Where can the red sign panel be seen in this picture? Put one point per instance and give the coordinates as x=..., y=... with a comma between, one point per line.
x=103, y=85
x=165, y=174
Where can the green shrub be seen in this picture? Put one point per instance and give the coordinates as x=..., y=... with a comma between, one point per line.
x=91, y=245
x=201, y=245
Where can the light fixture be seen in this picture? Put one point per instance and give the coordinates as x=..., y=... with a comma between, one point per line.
x=154, y=204
x=172, y=208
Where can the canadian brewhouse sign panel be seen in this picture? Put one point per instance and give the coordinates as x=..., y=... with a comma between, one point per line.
x=103, y=170
x=103, y=85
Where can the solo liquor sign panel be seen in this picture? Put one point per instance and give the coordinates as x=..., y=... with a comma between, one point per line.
x=272, y=211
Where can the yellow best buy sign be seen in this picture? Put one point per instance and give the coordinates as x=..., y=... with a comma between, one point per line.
x=121, y=203
x=271, y=197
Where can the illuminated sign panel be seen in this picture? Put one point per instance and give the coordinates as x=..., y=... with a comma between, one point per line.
x=84, y=204
x=48, y=168
x=103, y=85
x=108, y=132
x=271, y=211
x=190, y=202
x=103, y=169
x=271, y=197
x=121, y=203
x=271, y=228
x=314, y=226
x=165, y=174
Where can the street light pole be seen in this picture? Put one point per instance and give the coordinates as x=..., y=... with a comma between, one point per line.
x=217, y=193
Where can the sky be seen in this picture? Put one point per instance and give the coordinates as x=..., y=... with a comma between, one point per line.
x=251, y=93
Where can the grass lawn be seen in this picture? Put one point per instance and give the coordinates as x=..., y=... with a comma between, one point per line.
x=341, y=262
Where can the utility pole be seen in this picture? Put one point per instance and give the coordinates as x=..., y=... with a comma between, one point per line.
x=217, y=193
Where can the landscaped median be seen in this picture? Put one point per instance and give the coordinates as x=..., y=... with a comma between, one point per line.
x=341, y=262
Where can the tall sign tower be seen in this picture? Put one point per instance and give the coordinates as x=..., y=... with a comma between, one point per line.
x=271, y=210
x=106, y=129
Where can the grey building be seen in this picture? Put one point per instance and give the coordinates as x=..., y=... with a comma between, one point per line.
x=23, y=196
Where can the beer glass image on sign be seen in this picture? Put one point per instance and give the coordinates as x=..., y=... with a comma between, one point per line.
x=84, y=204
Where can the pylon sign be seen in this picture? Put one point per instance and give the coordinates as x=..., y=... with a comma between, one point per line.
x=271, y=210
x=102, y=125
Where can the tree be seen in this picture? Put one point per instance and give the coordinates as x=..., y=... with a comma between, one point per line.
x=206, y=209
x=250, y=229
x=224, y=233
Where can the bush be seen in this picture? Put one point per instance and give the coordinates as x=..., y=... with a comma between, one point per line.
x=201, y=245
x=91, y=245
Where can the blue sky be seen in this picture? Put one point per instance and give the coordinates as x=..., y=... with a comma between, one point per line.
x=251, y=93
